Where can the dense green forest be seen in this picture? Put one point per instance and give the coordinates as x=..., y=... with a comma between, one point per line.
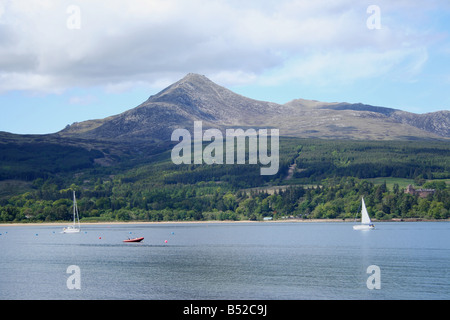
x=328, y=182
x=29, y=161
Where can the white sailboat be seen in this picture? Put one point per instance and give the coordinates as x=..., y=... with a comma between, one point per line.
x=366, y=223
x=75, y=227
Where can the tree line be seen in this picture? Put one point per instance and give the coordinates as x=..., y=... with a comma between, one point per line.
x=335, y=198
x=329, y=181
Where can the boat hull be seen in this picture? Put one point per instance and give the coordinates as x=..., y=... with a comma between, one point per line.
x=71, y=230
x=363, y=227
x=134, y=240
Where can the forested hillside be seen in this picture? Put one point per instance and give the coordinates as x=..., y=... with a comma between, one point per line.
x=328, y=181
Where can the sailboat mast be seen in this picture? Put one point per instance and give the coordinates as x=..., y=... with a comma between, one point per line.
x=78, y=218
x=75, y=210
x=74, y=207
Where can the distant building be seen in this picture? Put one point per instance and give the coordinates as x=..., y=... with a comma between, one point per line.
x=423, y=193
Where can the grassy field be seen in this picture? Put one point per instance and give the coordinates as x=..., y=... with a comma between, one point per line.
x=402, y=183
x=390, y=181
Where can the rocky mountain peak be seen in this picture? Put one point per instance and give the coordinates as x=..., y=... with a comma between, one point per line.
x=196, y=98
x=192, y=83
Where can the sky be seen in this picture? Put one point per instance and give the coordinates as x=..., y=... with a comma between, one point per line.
x=65, y=61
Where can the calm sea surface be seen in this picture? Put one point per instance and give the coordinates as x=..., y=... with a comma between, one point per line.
x=227, y=261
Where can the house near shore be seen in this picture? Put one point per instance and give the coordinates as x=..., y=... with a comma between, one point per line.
x=423, y=193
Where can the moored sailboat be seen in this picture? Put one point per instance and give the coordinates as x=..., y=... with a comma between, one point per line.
x=75, y=227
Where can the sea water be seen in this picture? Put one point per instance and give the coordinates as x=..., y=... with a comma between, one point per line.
x=260, y=260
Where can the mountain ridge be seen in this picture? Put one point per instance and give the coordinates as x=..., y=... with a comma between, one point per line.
x=197, y=98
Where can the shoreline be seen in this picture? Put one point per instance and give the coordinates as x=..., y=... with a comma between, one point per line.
x=15, y=224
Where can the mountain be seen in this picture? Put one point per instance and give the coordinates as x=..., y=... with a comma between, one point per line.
x=362, y=121
x=193, y=98
x=434, y=122
x=196, y=98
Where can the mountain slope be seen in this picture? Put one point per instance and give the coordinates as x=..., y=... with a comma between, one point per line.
x=193, y=98
x=196, y=98
x=435, y=122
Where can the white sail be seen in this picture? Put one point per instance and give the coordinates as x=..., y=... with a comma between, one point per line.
x=365, y=219
x=366, y=223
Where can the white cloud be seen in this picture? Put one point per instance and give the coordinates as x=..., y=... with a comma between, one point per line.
x=123, y=43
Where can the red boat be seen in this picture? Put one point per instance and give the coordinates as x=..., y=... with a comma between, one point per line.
x=134, y=240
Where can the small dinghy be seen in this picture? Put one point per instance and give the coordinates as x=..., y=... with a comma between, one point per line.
x=134, y=240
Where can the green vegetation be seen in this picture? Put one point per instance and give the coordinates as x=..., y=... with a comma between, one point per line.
x=371, y=159
x=329, y=181
x=29, y=161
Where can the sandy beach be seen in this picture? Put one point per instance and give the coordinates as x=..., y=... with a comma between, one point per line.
x=208, y=222
x=159, y=222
